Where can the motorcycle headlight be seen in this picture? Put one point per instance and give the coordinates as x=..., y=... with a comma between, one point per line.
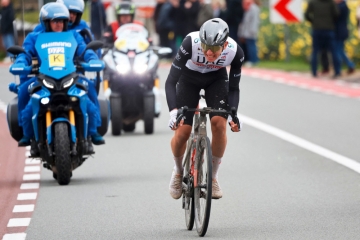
x=48, y=84
x=68, y=83
x=122, y=69
x=140, y=68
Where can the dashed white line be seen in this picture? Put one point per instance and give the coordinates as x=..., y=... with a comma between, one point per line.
x=14, y=236
x=25, y=186
x=19, y=222
x=32, y=169
x=24, y=208
x=26, y=196
x=32, y=161
x=29, y=177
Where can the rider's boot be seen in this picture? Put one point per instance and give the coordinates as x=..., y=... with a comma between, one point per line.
x=97, y=139
x=90, y=148
x=34, y=150
x=24, y=141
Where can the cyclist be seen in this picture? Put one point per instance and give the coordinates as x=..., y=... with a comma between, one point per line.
x=125, y=13
x=201, y=64
x=54, y=17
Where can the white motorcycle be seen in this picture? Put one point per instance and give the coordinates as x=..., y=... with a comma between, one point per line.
x=131, y=81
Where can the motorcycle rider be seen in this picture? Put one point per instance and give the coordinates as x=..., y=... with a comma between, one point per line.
x=201, y=64
x=125, y=13
x=54, y=17
x=76, y=9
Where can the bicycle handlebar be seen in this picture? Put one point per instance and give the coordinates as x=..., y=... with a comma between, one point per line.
x=182, y=111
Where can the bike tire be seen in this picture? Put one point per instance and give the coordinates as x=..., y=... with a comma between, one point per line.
x=116, y=115
x=189, y=213
x=203, y=196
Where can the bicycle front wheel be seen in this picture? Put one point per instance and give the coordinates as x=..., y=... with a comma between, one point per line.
x=203, y=190
x=188, y=195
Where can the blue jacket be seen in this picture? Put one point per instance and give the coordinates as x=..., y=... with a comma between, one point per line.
x=341, y=30
x=82, y=25
x=29, y=47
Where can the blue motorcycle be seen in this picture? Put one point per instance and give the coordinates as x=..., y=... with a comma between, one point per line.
x=58, y=99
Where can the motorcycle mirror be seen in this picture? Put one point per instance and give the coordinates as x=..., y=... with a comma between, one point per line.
x=15, y=50
x=94, y=45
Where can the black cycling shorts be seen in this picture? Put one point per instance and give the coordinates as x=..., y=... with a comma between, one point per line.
x=216, y=96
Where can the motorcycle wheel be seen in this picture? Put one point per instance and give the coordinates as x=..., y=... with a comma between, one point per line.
x=129, y=127
x=116, y=115
x=149, y=108
x=62, y=153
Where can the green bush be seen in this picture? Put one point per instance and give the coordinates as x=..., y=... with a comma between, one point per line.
x=271, y=42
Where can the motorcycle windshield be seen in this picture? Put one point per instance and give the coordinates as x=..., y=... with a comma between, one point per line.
x=56, y=51
x=132, y=37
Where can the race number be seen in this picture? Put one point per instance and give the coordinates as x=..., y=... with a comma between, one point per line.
x=56, y=60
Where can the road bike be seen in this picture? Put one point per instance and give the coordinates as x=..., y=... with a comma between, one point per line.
x=197, y=177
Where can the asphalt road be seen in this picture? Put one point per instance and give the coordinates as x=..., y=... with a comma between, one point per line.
x=272, y=188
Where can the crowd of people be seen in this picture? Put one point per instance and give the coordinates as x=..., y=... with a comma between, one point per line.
x=174, y=19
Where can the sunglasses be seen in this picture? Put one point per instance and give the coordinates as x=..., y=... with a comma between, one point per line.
x=212, y=48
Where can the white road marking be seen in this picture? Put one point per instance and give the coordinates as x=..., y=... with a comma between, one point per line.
x=347, y=162
x=26, y=196
x=32, y=161
x=19, y=222
x=24, y=208
x=29, y=186
x=14, y=236
x=28, y=177
x=32, y=169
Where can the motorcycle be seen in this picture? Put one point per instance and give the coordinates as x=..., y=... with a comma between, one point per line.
x=130, y=79
x=58, y=98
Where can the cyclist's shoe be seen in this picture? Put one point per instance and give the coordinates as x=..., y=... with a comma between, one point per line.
x=216, y=189
x=175, y=186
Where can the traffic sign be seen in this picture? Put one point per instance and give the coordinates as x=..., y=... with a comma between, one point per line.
x=285, y=11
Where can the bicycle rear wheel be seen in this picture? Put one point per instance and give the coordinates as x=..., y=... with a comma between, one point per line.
x=202, y=193
x=188, y=195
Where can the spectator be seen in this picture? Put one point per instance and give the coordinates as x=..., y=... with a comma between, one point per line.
x=248, y=31
x=234, y=16
x=191, y=9
x=322, y=15
x=98, y=18
x=219, y=9
x=7, y=27
x=165, y=24
x=342, y=33
x=205, y=13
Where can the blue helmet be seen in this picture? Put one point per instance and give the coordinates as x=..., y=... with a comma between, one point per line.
x=52, y=11
x=76, y=6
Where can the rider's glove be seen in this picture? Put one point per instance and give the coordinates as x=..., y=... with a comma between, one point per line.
x=13, y=87
x=230, y=119
x=173, y=115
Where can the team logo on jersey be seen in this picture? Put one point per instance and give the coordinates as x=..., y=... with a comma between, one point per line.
x=183, y=50
x=242, y=59
x=196, y=40
x=223, y=57
x=177, y=57
x=230, y=45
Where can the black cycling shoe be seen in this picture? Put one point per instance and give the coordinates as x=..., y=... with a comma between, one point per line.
x=24, y=141
x=97, y=139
